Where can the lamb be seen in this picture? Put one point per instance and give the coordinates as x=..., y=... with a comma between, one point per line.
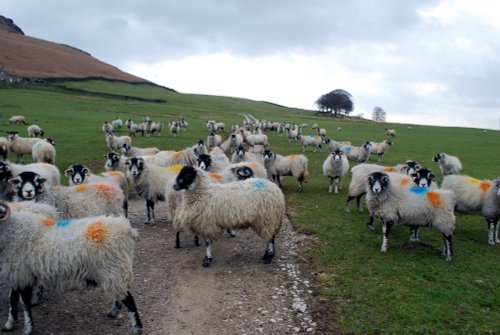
x=66, y=253
x=311, y=140
x=20, y=146
x=254, y=203
x=4, y=148
x=149, y=182
x=380, y=148
x=117, y=142
x=335, y=167
x=35, y=131
x=390, y=132
x=213, y=140
x=448, y=164
x=475, y=196
x=107, y=127
x=129, y=151
x=80, y=174
x=71, y=201
x=360, y=173
x=44, y=151
x=357, y=154
x=293, y=165
x=17, y=119
x=396, y=204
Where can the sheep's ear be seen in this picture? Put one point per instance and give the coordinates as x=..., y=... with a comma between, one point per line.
x=432, y=175
x=414, y=175
x=385, y=179
x=68, y=172
x=86, y=171
x=15, y=182
x=371, y=179
x=4, y=211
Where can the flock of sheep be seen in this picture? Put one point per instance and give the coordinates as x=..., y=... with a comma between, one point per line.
x=79, y=234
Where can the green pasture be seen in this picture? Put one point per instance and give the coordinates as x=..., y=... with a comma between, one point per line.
x=408, y=290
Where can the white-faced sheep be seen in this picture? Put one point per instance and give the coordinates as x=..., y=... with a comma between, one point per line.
x=379, y=148
x=357, y=154
x=335, y=167
x=398, y=204
x=254, y=203
x=35, y=131
x=66, y=254
x=475, y=196
x=4, y=148
x=20, y=146
x=129, y=151
x=44, y=151
x=213, y=140
x=17, y=119
x=71, y=201
x=115, y=143
x=448, y=164
x=149, y=182
x=80, y=174
x=293, y=165
x=310, y=140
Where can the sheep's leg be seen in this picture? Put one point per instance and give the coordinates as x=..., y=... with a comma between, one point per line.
x=371, y=223
x=276, y=178
x=178, y=240
x=208, y=254
x=358, y=202
x=196, y=241
x=231, y=232
x=37, y=295
x=26, y=295
x=125, y=208
x=448, y=247
x=300, y=180
x=269, y=255
x=414, y=234
x=491, y=231
x=348, y=203
x=330, y=185
x=150, y=208
x=494, y=222
x=115, y=309
x=386, y=229
x=12, y=319
x=336, y=183
x=129, y=303
x=380, y=158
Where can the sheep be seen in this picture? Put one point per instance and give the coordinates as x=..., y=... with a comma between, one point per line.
x=334, y=145
x=448, y=164
x=80, y=174
x=357, y=154
x=66, y=253
x=35, y=131
x=475, y=196
x=116, y=142
x=44, y=151
x=10, y=170
x=20, y=145
x=71, y=201
x=129, y=151
x=293, y=165
x=390, y=132
x=107, y=127
x=149, y=182
x=183, y=123
x=380, y=148
x=4, y=148
x=335, y=167
x=117, y=123
x=17, y=119
x=311, y=140
x=420, y=206
x=258, y=139
x=321, y=131
x=213, y=140
x=115, y=162
x=215, y=161
x=253, y=203
x=174, y=128
x=136, y=128
x=232, y=143
x=188, y=156
x=215, y=126
x=357, y=187
x=242, y=155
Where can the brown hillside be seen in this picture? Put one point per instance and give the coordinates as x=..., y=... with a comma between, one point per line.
x=29, y=57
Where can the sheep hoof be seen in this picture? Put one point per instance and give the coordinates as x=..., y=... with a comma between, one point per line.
x=267, y=258
x=150, y=222
x=371, y=227
x=206, y=262
x=8, y=329
x=138, y=330
x=449, y=258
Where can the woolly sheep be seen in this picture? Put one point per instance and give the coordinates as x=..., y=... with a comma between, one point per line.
x=174, y=128
x=17, y=119
x=242, y=155
x=380, y=148
x=396, y=204
x=107, y=127
x=213, y=140
x=448, y=164
x=293, y=165
x=215, y=126
x=335, y=167
x=187, y=156
x=360, y=173
x=390, y=132
x=44, y=151
x=80, y=174
x=20, y=146
x=149, y=182
x=357, y=154
x=71, y=201
x=232, y=143
x=215, y=161
x=310, y=140
x=475, y=196
x=10, y=170
x=68, y=253
x=115, y=143
x=115, y=162
x=117, y=123
x=136, y=128
x=321, y=131
x=35, y=131
x=129, y=151
x=334, y=145
x=253, y=203
x=258, y=139
x=4, y=148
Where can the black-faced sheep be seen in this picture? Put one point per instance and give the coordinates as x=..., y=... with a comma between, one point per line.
x=379, y=148
x=35, y=131
x=17, y=119
x=44, y=151
x=357, y=154
x=293, y=165
x=115, y=143
x=448, y=164
x=335, y=167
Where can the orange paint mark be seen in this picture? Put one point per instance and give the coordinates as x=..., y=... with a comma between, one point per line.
x=46, y=221
x=177, y=155
x=97, y=232
x=252, y=165
x=113, y=173
x=389, y=169
x=404, y=182
x=105, y=190
x=81, y=188
x=485, y=185
x=293, y=157
x=215, y=176
x=434, y=199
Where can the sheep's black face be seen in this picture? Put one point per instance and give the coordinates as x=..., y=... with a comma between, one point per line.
x=268, y=155
x=243, y=172
x=111, y=159
x=204, y=162
x=28, y=185
x=378, y=182
x=240, y=152
x=77, y=173
x=423, y=177
x=135, y=166
x=412, y=167
x=185, y=178
x=496, y=183
x=437, y=158
x=337, y=155
x=5, y=172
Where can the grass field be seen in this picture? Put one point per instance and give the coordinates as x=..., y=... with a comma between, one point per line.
x=408, y=290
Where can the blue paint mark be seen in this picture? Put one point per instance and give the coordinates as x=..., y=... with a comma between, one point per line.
x=347, y=149
x=419, y=190
x=259, y=184
x=311, y=135
x=218, y=158
x=63, y=223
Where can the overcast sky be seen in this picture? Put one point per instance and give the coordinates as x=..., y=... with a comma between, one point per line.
x=423, y=62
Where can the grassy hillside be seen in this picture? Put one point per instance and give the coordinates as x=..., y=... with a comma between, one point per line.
x=408, y=290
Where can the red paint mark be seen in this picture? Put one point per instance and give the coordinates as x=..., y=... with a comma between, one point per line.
x=434, y=199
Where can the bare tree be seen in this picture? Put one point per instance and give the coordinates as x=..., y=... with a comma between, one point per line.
x=378, y=114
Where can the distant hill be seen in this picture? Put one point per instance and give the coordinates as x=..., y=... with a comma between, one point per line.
x=35, y=59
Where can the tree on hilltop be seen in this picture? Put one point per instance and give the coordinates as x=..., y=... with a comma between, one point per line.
x=336, y=102
x=378, y=114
